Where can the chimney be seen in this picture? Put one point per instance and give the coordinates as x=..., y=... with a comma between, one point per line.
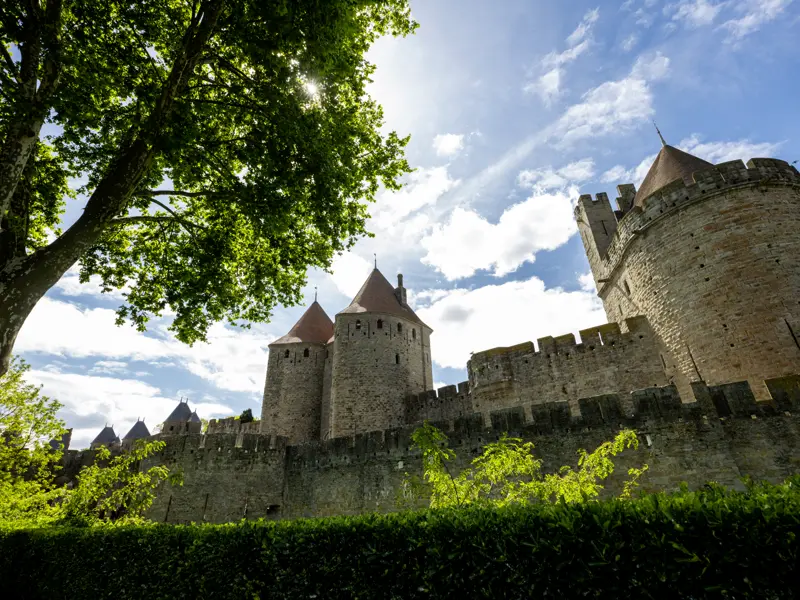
x=400, y=291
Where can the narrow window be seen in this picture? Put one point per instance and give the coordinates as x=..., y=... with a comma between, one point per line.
x=305, y=353
x=286, y=354
x=397, y=359
x=627, y=288
x=358, y=324
x=399, y=328
x=414, y=334
x=380, y=324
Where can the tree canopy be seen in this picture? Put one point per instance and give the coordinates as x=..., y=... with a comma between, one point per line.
x=223, y=147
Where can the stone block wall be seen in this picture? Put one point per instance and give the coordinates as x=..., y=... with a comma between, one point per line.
x=292, y=405
x=445, y=404
x=606, y=361
x=715, y=267
x=378, y=360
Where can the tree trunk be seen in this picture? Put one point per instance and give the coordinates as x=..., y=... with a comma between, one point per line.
x=25, y=280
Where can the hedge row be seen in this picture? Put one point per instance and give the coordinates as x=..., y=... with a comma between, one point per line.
x=693, y=545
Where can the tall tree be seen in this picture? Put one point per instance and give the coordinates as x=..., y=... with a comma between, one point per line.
x=226, y=146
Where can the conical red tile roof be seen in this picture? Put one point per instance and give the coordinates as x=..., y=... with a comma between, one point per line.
x=670, y=165
x=314, y=327
x=377, y=295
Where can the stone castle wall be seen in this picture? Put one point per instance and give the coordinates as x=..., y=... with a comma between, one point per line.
x=378, y=360
x=724, y=435
x=607, y=361
x=293, y=391
x=715, y=267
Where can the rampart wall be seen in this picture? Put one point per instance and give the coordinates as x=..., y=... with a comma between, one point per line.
x=605, y=361
x=721, y=436
x=715, y=267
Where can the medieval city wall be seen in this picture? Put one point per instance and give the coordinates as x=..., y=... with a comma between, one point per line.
x=606, y=361
x=292, y=405
x=378, y=359
x=715, y=267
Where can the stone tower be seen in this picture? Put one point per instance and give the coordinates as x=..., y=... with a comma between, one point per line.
x=710, y=254
x=292, y=404
x=381, y=354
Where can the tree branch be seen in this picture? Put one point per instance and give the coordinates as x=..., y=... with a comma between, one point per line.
x=142, y=219
x=12, y=68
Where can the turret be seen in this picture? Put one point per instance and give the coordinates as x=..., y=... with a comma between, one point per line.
x=139, y=431
x=711, y=256
x=106, y=438
x=179, y=420
x=381, y=355
x=293, y=392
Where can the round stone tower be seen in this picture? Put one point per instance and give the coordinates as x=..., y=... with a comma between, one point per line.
x=710, y=254
x=381, y=354
x=293, y=391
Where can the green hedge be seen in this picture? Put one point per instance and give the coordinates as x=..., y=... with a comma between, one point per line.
x=708, y=544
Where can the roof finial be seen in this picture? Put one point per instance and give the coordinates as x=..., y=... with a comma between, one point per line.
x=315, y=293
x=375, y=256
x=661, y=137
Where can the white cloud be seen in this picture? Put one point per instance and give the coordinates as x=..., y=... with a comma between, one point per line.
x=233, y=360
x=635, y=175
x=557, y=59
x=70, y=285
x=719, y=152
x=582, y=30
x=349, y=271
x=613, y=106
x=695, y=13
x=629, y=42
x=755, y=13
x=111, y=367
x=448, y=144
x=502, y=315
x=468, y=242
x=118, y=402
x=549, y=178
x=586, y=281
x=547, y=86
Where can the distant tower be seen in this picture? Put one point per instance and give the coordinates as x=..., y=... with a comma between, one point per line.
x=381, y=354
x=106, y=438
x=139, y=431
x=181, y=420
x=293, y=391
x=711, y=256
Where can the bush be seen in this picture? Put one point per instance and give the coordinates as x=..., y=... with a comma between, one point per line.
x=712, y=543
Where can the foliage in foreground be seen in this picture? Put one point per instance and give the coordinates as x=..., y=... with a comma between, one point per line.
x=508, y=472
x=111, y=489
x=712, y=543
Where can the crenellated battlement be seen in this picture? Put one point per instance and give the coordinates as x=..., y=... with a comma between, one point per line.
x=233, y=425
x=644, y=410
x=671, y=199
x=447, y=402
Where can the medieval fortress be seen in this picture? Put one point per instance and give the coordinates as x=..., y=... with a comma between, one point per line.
x=699, y=274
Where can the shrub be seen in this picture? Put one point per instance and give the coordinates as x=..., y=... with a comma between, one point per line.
x=711, y=543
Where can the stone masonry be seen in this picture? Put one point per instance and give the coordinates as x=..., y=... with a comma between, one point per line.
x=699, y=274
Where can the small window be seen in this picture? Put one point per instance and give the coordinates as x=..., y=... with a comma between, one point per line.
x=358, y=324
x=286, y=354
x=397, y=359
x=414, y=334
x=399, y=328
x=305, y=353
x=627, y=287
x=380, y=324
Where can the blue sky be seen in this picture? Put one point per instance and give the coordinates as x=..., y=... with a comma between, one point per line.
x=514, y=108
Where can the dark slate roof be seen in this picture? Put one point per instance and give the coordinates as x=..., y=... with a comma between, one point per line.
x=377, y=295
x=193, y=418
x=106, y=437
x=315, y=326
x=670, y=165
x=137, y=432
x=181, y=413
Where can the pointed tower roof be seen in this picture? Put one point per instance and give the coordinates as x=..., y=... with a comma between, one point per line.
x=377, y=295
x=138, y=431
x=314, y=327
x=670, y=165
x=106, y=437
x=194, y=418
x=181, y=412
